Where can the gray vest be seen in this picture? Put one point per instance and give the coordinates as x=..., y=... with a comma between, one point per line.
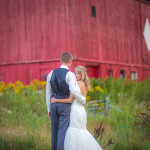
x=60, y=88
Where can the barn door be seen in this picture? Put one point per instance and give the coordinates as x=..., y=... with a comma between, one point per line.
x=92, y=71
x=44, y=72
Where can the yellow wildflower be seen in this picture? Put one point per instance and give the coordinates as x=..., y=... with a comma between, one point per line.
x=2, y=87
x=101, y=104
x=27, y=86
x=95, y=104
x=35, y=84
x=17, y=90
x=43, y=83
x=11, y=86
x=19, y=84
x=91, y=90
x=88, y=98
x=98, y=88
x=2, y=83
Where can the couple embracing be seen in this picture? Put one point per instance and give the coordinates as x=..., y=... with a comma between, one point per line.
x=65, y=97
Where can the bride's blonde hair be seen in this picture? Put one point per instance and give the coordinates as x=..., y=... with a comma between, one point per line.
x=84, y=76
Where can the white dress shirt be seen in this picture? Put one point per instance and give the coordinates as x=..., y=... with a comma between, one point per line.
x=73, y=87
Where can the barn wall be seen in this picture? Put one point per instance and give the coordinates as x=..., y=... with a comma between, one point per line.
x=103, y=70
x=27, y=72
x=34, y=30
x=115, y=34
x=35, y=33
x=145, y=14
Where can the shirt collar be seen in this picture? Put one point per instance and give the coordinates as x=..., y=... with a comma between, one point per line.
x=63, y=66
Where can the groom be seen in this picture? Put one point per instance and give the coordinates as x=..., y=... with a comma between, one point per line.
x=60, y=84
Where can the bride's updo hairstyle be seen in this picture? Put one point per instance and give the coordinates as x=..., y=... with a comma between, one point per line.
x=84, y=78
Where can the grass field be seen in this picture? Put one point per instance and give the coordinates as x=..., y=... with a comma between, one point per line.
x=24, y=124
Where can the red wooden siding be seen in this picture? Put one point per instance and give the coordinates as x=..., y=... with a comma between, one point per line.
x=145, y=13
x=33, y=34
x=34, y=30
x=115, y=34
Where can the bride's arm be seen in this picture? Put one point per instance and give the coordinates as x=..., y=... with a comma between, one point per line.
x=67, y=100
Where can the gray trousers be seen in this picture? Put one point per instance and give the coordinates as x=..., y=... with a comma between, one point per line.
x=60, y=118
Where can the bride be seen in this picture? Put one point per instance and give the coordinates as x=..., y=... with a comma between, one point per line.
x=77, y=136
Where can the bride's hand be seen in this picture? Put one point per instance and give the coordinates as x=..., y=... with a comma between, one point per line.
x=53, y=100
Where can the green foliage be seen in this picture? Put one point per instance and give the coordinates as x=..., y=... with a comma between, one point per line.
x=143, y=91
x=24, y=123
x=17, y=143
x=119, y=90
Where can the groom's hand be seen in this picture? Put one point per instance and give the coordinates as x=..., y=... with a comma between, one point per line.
x=52, y=100
x=49, y=115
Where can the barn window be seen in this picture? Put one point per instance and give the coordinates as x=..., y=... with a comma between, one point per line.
x=134, y=75
x=93, y=10
x=122, y=74
x=92, y=71
x=110, y=73
x=44, y=77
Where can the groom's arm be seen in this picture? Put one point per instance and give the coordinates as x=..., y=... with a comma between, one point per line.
x=48, y=92
x=74, y=88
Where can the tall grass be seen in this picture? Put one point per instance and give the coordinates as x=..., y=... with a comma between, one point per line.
x=24, y=124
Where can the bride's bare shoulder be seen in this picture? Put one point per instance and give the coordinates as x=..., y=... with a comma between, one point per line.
x=80, y=82
x=82, y=87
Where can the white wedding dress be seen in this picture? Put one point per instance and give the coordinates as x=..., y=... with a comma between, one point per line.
x=77, y=136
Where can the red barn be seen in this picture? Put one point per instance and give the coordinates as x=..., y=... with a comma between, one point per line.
x=105, y=36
